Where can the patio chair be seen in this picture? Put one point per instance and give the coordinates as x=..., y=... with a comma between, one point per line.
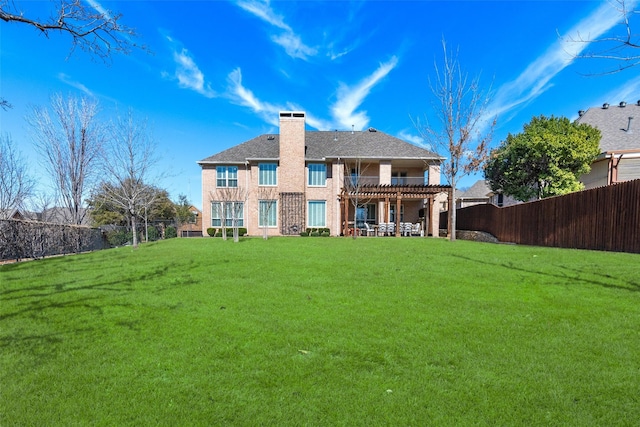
x=406, y=229
x=391, y=229
x=416, y=229
x=382, y=229
x=370, y=230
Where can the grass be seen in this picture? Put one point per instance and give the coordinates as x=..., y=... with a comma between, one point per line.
x=322, y=331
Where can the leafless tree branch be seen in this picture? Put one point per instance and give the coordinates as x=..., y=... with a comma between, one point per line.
x=15, y=183
x=95, y=31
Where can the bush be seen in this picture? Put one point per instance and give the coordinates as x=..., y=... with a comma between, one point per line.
x=325, y=234
x=170, y=232
x=153, y=234
x=119, y=237
x=305, y=234
x=211, y=231
x=314, y=234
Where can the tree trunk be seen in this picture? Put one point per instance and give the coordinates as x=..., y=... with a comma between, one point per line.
x=134, y=231
x=452, y=214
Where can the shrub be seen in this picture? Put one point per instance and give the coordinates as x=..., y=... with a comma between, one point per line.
x=153, y=234
x=305, y=233
x=314, y=234
x=325, y=234
x=170, y=232
x=119, y=237
x=212, y=231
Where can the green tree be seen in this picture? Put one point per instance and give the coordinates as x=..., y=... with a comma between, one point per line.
x=546, y=159
x=183, y=210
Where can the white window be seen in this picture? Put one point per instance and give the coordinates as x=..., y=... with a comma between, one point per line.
x=267, y=213
x=267, y=174
x=317, y=213
x=233, y=214
x=227, y=176
x=317, y=174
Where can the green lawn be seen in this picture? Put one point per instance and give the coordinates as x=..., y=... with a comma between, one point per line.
x=322, y=331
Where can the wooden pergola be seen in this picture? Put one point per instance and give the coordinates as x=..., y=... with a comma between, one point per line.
x=395, y=193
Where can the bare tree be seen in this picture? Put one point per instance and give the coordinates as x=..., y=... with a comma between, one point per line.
x=464, y=133
x=353, y=183
x=70, y=139
x=619, y=48
x=92, y=29
x=127, y=166
x=228, y=205
x=15, y=183
x=267, y=201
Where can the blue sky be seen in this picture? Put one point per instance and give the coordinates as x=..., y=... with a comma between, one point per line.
x=221, y=70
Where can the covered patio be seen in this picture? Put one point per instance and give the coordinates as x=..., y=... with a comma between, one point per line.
x=396, y=207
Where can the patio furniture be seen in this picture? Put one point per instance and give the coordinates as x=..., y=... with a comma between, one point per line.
x=391, y=229
x=370, y=230
x=406, y=228
x=416, y=229
x=382, y=229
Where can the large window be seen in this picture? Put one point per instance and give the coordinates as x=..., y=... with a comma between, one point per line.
x=226, y=176
x=317, y=213
x=268, y=213
x=317, y=174
x=267, y=174
x=392, y=213
x=366, y=213
x=399, y=178
x=231, y=211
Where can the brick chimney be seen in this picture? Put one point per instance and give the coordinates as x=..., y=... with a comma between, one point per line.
x=292, y=151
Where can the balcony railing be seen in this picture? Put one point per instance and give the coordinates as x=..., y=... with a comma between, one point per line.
x=351, y=182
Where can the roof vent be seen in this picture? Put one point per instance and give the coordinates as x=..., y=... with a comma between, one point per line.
x=581, y=113
x=639, y=102
x=270, y=137
x=353, y=126
x=629, y=125
x=623, y=104
x=605, y=105
x=372, y=130
x=335, y=135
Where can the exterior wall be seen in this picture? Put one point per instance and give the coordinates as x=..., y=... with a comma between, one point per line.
x=434, y=174
x=291, y=172
x=211, y=193
x=385, y=172
x=629, y=168
x=597, y=177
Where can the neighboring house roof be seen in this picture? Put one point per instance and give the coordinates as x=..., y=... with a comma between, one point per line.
x=619, y=125
x=321, y=145
x=479, y=190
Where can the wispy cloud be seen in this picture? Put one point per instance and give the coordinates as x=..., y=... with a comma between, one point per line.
x=98, y=7
x=350, y=98
x=64, y=78
x=188, y=73
x=535, y=79
x=240, y=95
x=286, y=37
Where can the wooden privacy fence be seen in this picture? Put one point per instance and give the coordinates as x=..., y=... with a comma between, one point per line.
x=604, y=218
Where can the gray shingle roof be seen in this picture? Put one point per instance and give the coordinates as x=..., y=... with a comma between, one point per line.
x=479, y=190
x=368, y=144
x=613, y=123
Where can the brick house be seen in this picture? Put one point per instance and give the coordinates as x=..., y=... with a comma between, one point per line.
x=346, y=181
x=619, y=158
x=193, y=226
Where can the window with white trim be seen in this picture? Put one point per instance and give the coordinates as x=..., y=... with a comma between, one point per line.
x=317, y=174
x=267, y=174
x=317, y=213
x=267, y=210
x=232, y=211
x=227, y=176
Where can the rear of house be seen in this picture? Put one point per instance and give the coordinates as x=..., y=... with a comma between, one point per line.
x=344, y=181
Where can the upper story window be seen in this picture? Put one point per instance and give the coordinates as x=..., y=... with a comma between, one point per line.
x=267, y=174
x=226, y=176
x=399, y=178
x=317, y=174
